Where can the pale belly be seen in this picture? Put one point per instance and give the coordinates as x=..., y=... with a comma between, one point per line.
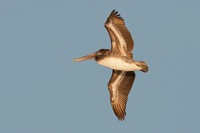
x=116, y=63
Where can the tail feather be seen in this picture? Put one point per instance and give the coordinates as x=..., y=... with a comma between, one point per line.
x=143, y=65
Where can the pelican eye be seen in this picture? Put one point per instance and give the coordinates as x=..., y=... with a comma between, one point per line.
x=99, y=53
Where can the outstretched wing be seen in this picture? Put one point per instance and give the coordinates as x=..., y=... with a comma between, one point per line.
x=119, y=87
x=121, y=40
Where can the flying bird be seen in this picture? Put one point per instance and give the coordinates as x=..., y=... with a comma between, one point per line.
x=120, y=59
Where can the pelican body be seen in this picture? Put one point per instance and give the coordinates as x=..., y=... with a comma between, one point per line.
x=120, y=60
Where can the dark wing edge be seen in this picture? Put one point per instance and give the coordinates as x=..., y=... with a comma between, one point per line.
x=115, y=16
x=119, y=87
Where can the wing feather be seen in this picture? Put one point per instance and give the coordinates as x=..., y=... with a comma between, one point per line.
x=121, y=40
x=119, y=87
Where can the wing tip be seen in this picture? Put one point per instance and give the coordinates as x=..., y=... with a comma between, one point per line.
x=119, y=112
x=115, y=14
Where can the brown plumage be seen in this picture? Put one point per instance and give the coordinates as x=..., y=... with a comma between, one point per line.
x=114, y=20
x=119, y=93
x=120, y=59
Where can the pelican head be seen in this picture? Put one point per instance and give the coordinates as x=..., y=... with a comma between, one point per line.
x=95, y=55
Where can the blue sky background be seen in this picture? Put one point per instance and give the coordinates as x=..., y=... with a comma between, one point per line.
x=43, y=91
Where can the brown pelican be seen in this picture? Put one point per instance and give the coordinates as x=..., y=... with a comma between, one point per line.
x=119, y=58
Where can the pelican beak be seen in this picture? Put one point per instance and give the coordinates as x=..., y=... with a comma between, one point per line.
x=87, y=57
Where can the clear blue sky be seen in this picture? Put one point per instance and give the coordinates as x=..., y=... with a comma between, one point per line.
x=43, y=91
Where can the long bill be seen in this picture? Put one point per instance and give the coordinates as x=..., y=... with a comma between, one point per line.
x=87, y=57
